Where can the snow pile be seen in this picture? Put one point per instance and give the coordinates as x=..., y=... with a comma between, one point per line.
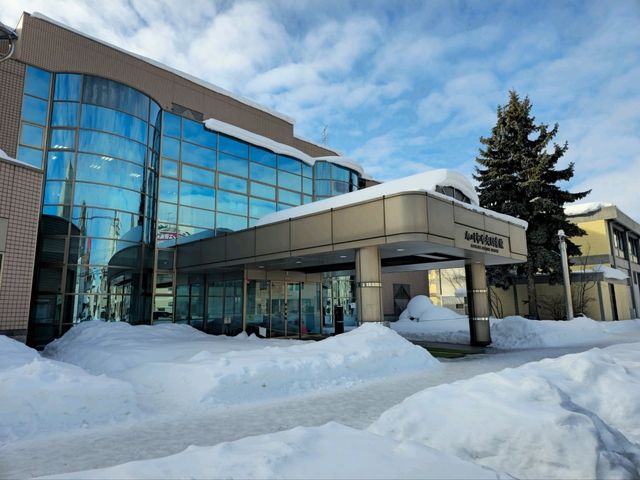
x=422, y=320
x=330, y=451
x=571, y=417
x=4, y=156
x=210, y=370
x=41, y=396
x=518, y=332
x=585, y=208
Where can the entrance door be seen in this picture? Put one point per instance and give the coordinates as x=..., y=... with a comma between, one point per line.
x=285, y=309
x=293, y=309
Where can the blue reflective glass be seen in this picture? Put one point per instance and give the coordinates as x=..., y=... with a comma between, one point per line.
x=57, y=192
x=260, y=190
x=232, y=203
x=263, y=156
x=101, y=251
x=94, y=168
x=340, y=173
x=60, y=165
x=171, y=124
x=260, y=208
x=307, y=199
x=230, y=223
x=167, y=212
x=37, y=82
x=171, y=147
x=168, y=190
x=322, y=170
x=196, y=217
x=307, y=185
x=106, y=197
x=285, y=196
x=307, y=170
x=154, y=114
x=100, y=118
x=64, y=114
x=340, y=187
x=67, y=86
x=233, y=146
x=263, y=174
x=193, y=174
x=289, y=164
x=111, y=145
x=200, y=156
x=98, y=222
x=62, y=139
x=323, y=188
x=30, y=156
x=290, y=181
x=197, y=195
x=31, y=135
x=354, y=180
x=196, y=133
x=169, y=168
x=229, y=164
x=232, y=183
x=34, y=110
x=100, y=91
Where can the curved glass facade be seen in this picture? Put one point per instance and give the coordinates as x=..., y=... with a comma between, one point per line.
x=94, y=257
x=332, y=180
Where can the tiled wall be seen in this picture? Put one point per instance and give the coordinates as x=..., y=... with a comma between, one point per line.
x=20, y=190
x=11, y=80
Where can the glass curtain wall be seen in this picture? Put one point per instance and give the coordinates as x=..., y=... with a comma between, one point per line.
x=94, y=256
x=331, y=180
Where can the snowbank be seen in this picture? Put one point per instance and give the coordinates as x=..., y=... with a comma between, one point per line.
x=211, y=370
x=39, y=396
x=571, y=417
x=331, y=451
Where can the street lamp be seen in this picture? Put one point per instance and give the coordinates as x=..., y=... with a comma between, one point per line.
x=565, y=274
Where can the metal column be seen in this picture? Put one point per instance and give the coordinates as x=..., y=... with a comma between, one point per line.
x=478, y=301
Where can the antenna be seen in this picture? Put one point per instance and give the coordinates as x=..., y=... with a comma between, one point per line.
x=325, y=135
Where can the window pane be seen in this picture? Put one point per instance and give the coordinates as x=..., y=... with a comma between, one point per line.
x=64, y=114
x=196, y=217
x=289, y=164
x=323, y=170
x=199, y=175
x=260, y=208
x=340, y=187
x=106, y=197
x=67, y=87
x=229, y=164
x=100, y=91
x=232, y=203
x=171, y=124
x=100, y=251
x=111, y=145
x=263, y=156
x=34, y=110
x=57, y=192
x=232, y=183
x=37, y=82
x=98, y=222
x=307, y=185
x=99, y=118
x=323, y=188
x=59, y=165
x=307, y=199
x=197, y=196
x=287, y=180
x=260, y=190
x=169, y=168
x=62, y=139
x=171, y=147
x=339, y=173
x=94, y=168
x=168, y=190
x=167, y=212
x=307, y=170
x=196, y=133
x=233, y=146
x=31, y=135
x=230, y=223
x=198, y=155
x=263, y=174
x=30, y=156
x=285, y=196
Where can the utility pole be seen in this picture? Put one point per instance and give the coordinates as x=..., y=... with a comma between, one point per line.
x=565, y=274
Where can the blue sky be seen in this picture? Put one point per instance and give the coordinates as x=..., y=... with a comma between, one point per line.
x=405, y=86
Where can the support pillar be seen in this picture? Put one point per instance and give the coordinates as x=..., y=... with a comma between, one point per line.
x=478, y=302
x=369, y=285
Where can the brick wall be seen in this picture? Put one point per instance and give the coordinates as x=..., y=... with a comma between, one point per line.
x=20, y=190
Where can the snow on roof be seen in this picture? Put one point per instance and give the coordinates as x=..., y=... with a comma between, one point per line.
x=585, y=208
x=609, y=273
x=421, y=182
x=344, y=162
x=5, y=156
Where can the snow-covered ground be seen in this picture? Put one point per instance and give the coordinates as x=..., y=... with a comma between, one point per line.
x=170, y=402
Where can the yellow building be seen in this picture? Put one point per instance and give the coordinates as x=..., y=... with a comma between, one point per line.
x=604, y=280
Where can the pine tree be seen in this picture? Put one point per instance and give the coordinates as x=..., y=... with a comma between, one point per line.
x=517, y=176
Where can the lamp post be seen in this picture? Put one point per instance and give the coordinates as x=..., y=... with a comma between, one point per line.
x=565, y=274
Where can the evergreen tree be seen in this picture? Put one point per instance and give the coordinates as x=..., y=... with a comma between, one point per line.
x=517, y=176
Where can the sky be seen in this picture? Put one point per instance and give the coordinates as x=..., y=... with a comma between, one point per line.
x=404, y=86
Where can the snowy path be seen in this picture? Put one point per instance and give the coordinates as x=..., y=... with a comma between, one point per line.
x=163, y=435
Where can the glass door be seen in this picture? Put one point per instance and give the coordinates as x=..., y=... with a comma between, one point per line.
x=278, y=310
x=293, y=310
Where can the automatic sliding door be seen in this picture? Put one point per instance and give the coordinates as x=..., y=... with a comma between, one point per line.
x=293, y=309
x=278, y=319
